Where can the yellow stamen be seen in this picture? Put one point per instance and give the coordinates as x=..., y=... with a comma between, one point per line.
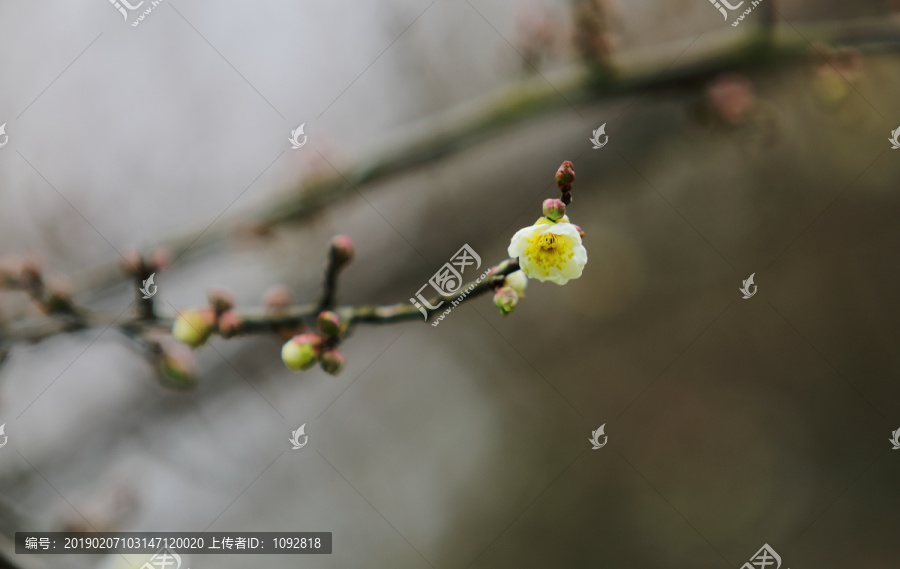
x=549, y=250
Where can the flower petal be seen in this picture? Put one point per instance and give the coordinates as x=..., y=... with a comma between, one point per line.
x=549, y=251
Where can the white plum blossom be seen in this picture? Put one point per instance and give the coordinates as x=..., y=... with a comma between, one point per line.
x=549, y=251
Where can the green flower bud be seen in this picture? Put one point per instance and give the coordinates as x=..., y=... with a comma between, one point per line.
x=554, y=209
x=301, y=351
x=518, y=281
x=506, y=299
x=193, y=327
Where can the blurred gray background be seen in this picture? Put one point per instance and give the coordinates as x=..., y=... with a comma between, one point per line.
x=732, y=423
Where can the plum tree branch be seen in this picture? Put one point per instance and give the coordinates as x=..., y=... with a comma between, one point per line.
x=253, y=320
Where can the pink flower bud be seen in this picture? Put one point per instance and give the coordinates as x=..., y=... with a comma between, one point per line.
x=31, y=271
x=178, y=365
x=277, y=298
x=731, y=98
x=341, y=250
x=220, y=299
x=330, y=323
x=506, y=299
x=580, y=231
x=59, y=293
x=554, y=209
x=131, y=261
x=565, y=176
x=229, y=324
x=160, y=259
x=301, y=351
x=10, y=270
x=332, y=361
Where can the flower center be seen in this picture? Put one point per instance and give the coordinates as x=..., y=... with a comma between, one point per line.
x=549, y=250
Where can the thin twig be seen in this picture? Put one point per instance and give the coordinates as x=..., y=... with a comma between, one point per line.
x=258, y=320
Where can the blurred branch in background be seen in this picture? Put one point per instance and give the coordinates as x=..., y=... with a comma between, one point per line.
x=603, y=75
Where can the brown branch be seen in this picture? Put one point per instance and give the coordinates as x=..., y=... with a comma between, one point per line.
x=406, y=311
x=258, y=320
x=145, y=306
x=329, y=289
